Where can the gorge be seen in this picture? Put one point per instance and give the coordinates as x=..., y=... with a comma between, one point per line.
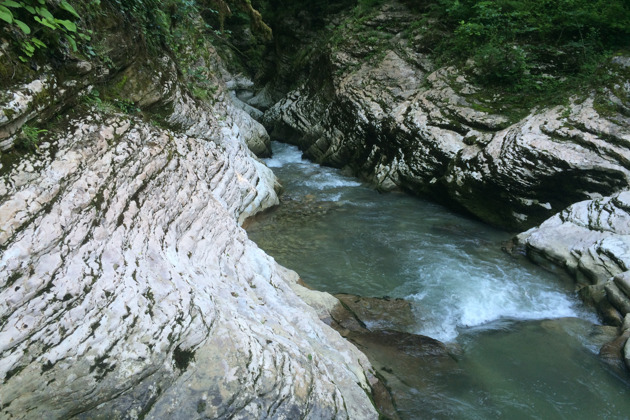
x=130, y=288
x=518, y=342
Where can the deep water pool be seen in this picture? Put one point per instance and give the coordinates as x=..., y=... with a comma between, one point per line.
x=526, y=346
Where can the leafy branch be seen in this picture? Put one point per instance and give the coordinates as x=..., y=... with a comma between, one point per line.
x=30, y=17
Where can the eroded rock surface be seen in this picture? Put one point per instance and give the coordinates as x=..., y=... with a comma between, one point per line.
x=128, y=288
x=385, y=110
x=591, y=240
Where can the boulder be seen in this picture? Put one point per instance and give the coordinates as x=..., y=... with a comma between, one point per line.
x=591, y=239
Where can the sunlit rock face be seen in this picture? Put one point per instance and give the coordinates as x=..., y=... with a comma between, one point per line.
x=591, y=240
x=128, y=288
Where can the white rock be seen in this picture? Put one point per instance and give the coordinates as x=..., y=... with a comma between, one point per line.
x=130, y=286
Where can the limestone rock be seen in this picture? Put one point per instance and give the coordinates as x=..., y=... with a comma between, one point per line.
x=128, y=288
x=256, y=136
x=261, y=100
x=398, y=121
x=20, y=105
x=591, y=239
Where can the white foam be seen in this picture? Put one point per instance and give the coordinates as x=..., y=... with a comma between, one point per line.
x=455, y=285
x=461, y=296
x=333, y=197
x=283, y=154
x=322, y=182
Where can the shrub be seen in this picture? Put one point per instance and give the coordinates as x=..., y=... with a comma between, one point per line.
x=518, y=42
x=27, y=18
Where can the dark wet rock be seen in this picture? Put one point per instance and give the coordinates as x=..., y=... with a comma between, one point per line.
x=380, y=313
x=618, y=299
x=613, y=353
x=400, y=358
x=596, y=296
x=405, y=361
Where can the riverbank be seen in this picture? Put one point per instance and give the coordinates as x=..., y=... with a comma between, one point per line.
x=502, y=320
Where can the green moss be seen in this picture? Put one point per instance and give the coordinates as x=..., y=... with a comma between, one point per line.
x=182, y=358
x=9, y=113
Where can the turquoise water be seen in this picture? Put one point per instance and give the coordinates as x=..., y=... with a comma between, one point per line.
x=526, y=346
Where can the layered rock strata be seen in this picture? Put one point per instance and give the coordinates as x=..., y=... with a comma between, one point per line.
x=128, y=288
x=385, y=110
x=591, y=240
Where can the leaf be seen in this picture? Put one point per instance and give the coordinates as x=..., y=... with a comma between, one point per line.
x=70, y=26
x=45, y=22
x=42, y=1
x=28, y=48
x=72, y=42
x=6, y=15
x=66, y=6
x=11, y=3
x=23, y=26
x=43, y=12
x=38, y=43
x=30, y=9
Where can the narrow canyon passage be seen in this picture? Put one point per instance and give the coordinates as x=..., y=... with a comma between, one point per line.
x=522, y=343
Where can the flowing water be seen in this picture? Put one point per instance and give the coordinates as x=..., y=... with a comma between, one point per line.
x=526, y=347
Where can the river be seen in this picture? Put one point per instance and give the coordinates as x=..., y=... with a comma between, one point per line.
x=526, y=346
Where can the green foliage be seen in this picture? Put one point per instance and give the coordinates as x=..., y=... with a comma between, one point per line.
x=515, y=43
x=34, y=24
x=29, y=138
x=94, y=99
x=126, y=106
x=108, y=105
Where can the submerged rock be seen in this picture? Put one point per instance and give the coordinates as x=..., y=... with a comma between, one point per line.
x=377, y=326
x=376, y=313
